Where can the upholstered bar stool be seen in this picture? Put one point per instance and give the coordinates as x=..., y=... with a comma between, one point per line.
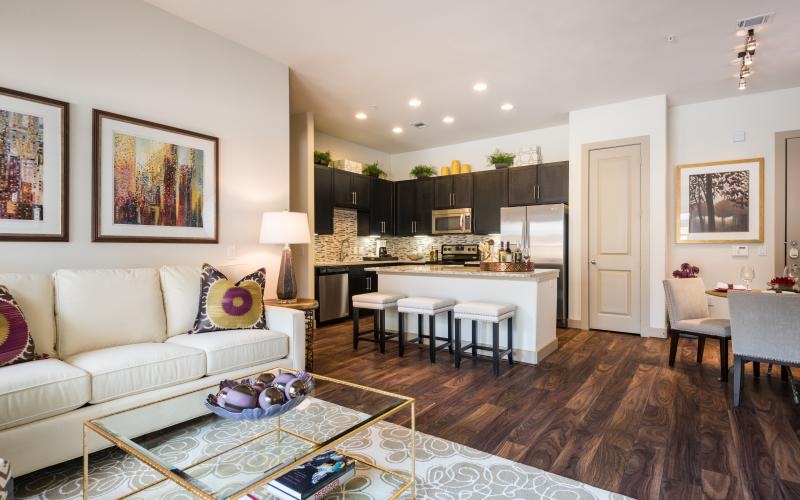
x=490, y=313
x=378, y=303
x=430, y=307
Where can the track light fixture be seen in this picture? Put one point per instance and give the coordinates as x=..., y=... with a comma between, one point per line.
x=746, y=58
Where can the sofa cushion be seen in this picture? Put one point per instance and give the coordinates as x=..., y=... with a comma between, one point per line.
x=34, y=295
x=40, y=389
x=234, y=349
x=225, y=305
x=106, y=308
x=131, y=369
x=16, y=344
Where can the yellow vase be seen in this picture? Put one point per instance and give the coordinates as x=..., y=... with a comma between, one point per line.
x=445, y=171
x=466, y=168
x=455, y=167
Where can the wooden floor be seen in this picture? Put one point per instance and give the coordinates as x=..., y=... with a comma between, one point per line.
x=605, y=409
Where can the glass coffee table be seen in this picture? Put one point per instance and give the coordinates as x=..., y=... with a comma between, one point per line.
x=198, y=452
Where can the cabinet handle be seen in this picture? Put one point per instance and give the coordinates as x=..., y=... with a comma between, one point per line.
x=355, y=198
x=538, y=192
x=452, y=199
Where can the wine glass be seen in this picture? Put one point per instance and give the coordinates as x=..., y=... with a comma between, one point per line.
x=526, y=254
x=747, y=274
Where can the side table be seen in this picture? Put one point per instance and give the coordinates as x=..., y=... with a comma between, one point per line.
x=307, y=306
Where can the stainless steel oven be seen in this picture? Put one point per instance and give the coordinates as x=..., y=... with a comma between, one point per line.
x=454, y=221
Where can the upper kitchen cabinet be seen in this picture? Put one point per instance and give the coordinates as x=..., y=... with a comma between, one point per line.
x=413, y=206
x=350, y=190
x=553, y=182
x=453, y=191
x=381, y=210
x=490, y=195
x=539, y=184
x=323, y=200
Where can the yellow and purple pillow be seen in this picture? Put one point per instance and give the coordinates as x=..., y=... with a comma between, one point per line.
x=225, y=305
x=16, y=343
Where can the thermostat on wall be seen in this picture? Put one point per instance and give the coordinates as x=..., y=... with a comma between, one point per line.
x=740, y=250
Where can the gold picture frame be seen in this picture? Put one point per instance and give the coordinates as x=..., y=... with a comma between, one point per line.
x=736, y=187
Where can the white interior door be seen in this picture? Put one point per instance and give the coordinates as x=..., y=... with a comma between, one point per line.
x=614, y=239
x=793, y=202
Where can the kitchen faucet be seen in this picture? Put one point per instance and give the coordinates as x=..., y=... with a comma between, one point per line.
x=341, y=249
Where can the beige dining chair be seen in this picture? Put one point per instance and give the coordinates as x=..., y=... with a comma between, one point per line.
x=765, y=327
x=687, y=314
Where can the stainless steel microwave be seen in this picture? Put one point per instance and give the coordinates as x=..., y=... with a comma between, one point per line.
x=453, y=221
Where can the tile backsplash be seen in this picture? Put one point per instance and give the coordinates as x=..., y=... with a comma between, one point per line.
x=327, y=247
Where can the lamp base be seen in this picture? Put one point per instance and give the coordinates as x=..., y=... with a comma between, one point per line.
x=287, y=286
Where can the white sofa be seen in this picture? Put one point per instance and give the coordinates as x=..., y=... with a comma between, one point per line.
x=116, y=339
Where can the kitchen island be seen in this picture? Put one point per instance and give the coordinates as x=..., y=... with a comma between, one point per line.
x=534, y=294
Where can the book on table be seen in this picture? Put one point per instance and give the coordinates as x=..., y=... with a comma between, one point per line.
x=315, y=478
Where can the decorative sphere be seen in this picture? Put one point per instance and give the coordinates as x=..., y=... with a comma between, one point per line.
x=295, y=388
x=241, y=397
x=266, y=379
x=283, y=379
x=270, y=396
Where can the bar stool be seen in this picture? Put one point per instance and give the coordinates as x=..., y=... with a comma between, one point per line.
x=430, y=307
x=491, y=313
x=378, y=303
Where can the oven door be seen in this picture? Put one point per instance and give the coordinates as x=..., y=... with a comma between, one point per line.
x=458, y=221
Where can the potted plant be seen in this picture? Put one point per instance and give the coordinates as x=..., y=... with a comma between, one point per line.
x=322, y=158
x=373, y=170
x=500, y=159
x=423, y=171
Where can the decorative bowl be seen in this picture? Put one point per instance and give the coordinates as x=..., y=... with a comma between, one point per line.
x=258, y=412
x=508, y=267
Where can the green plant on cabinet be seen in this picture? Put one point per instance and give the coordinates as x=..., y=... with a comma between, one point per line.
x=423, y=171
x=373, y=170
x=322, y=158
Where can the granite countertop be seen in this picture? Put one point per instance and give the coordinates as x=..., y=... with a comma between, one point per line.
x=359, y=262
x=537, y=275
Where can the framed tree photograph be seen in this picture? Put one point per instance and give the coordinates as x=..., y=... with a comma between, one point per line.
x=720, y=202
x=153, y=183
x=34, y=167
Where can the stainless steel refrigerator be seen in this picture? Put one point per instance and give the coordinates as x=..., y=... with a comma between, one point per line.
x=543, y=230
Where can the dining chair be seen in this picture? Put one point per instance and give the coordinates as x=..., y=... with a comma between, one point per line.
x=765, y=327
x=687, y=314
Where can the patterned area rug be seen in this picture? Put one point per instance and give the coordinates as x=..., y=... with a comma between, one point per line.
x=444, y=470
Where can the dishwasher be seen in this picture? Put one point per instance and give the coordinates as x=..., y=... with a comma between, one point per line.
x=333, y=293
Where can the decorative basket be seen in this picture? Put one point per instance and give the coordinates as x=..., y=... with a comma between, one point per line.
x=508, y=267
x=257, y=413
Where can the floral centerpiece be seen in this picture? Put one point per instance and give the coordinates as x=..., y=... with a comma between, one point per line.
x=782, y=284
x=686, y=271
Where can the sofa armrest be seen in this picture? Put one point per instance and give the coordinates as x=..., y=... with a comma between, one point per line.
x=293, y=323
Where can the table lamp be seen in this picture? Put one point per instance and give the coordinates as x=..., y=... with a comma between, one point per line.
x=285, y=228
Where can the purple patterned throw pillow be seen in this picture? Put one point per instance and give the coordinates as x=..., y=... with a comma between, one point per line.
x=225, y=305
x=16, y=343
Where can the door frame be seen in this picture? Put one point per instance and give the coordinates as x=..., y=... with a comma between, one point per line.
x=780, y=196
x=644, y=225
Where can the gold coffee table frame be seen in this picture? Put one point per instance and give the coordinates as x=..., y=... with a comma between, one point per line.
x=184, y=481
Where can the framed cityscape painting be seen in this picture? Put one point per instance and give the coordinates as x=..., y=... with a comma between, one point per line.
x=720, y=202
x=34, y=172
x=153, y=183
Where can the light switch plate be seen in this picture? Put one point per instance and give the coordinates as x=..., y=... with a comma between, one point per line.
x=230, y=251
x=738, y=136
x=762, y=251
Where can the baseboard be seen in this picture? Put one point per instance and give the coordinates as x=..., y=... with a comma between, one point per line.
x=574, y=323
x=660, y=333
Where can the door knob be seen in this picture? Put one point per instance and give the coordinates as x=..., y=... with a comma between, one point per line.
x=593, y=261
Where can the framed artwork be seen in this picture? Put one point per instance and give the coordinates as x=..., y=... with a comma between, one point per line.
x=153, y=183
x=34, y=167
x=720, y=202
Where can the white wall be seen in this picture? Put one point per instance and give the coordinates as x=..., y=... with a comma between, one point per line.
x=704, y=132
x=554, y=142
x=131, y=58
x=639, y=117
x=345, y=150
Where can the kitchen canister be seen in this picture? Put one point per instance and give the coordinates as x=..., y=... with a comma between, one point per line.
x=466, y=168
x=455, y=167
x=444, y=171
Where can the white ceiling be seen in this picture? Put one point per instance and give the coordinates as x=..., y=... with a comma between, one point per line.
x=546, y=57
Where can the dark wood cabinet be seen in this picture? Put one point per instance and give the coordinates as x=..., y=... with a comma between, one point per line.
x=553, y=182
x=413, y=207
x=350, y=190
x=522, y=185
x=453, y=191
x=539, y=184
x=490, y=195
x=323, y=200
x=381, y=210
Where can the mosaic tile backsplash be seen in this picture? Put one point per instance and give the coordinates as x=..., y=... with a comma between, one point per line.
x=327, y=247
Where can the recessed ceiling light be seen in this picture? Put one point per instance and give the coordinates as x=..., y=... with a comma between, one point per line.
x=479, y=87
x=448, y=119
x=507, y=106
x=361, y=116
x=415, y=103
x=397, y=130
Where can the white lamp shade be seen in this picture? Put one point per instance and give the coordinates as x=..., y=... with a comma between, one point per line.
x=284, y=227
